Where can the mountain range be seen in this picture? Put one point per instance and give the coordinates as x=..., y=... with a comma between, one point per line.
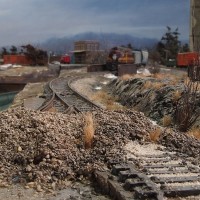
x=106, y=40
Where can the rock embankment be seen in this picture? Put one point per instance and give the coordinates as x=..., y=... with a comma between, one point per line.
x=44, y=150
x=155, y=97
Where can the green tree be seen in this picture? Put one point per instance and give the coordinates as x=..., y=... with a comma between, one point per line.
x=38, y=56
x=130, y=46
x=4, y=51
x=169, y=45
x=185, y=48
x=13, y=49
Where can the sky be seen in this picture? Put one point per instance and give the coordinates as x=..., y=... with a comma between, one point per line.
x=32, y=21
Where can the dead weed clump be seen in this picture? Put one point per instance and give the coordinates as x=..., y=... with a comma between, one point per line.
x=126, y=77
x=159, y=76
x=107, y=100
x=139, y=76
x=157, y=85
x=88, y=130
x=176, y=96
x=166, y=120
x=195, y=85
x=147, y=85
x=187, y=110
x=155, y=135
x=153, y=85
x=195, y=132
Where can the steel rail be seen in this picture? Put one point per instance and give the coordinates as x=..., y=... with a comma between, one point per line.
x=79, y=94
x=68, y=96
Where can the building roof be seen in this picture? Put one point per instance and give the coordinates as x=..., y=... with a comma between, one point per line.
x=87, y=41
x=78, y=51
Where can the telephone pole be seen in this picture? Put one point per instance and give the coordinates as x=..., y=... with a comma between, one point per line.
x=195, y=25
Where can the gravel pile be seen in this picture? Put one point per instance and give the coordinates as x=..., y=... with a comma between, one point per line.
x=182, y=143
x=45, y=150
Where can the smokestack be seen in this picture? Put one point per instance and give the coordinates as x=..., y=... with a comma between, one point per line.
x=194, y=25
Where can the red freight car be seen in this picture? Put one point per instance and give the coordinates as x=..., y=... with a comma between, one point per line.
x=65, y=59
x=17, y=59
x=186, y=59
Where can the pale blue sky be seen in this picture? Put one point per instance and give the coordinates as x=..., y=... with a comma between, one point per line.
x=23, y=21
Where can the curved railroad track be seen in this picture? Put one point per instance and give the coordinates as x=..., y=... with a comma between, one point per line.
x=66, y=99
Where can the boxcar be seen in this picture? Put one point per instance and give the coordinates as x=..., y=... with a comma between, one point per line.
x=186, y=59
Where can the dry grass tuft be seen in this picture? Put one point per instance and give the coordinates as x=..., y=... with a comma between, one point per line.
x=174, y=82
x=154, y=85
x=147, y=85
x=53, y=109
x=107, y=100
x=139, y=76
x=99, y=96
x=159, y=76
x=114, y=106
x=157, y=85
x=166, y=120
x=88, y=130
x=195, y=132
x=126, y=77
x=155, y=135
x=195, y=85
x=176, y=96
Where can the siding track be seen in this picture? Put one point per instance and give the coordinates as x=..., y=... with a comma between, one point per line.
x=66, y=99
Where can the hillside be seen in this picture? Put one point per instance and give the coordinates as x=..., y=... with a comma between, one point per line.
x=107, y=40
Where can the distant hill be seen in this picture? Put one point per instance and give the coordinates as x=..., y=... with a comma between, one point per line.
x=107, y=40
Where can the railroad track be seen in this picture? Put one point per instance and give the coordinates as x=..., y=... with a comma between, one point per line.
x=66, y=99
x=152, y=177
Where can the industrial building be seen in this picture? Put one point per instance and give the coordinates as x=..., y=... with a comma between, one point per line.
x=84, y=51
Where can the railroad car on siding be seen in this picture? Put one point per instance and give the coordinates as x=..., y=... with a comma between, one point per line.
x=187, y=59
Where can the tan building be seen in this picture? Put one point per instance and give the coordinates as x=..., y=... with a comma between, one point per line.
x=85, y=50
x=195, y=25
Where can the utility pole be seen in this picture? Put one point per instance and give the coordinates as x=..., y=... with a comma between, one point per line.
x=195, y=25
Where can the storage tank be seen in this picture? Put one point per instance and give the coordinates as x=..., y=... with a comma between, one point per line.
x=145, y=56
x=137, y=57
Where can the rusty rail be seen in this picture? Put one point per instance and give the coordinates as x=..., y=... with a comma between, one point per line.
x=68, y=96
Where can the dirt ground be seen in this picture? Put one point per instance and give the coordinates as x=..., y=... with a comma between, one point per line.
x=22, y=70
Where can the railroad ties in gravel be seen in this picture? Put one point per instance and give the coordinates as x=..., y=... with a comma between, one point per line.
x=152, y=173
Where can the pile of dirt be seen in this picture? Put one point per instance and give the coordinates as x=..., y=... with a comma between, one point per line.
x=45, y=150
